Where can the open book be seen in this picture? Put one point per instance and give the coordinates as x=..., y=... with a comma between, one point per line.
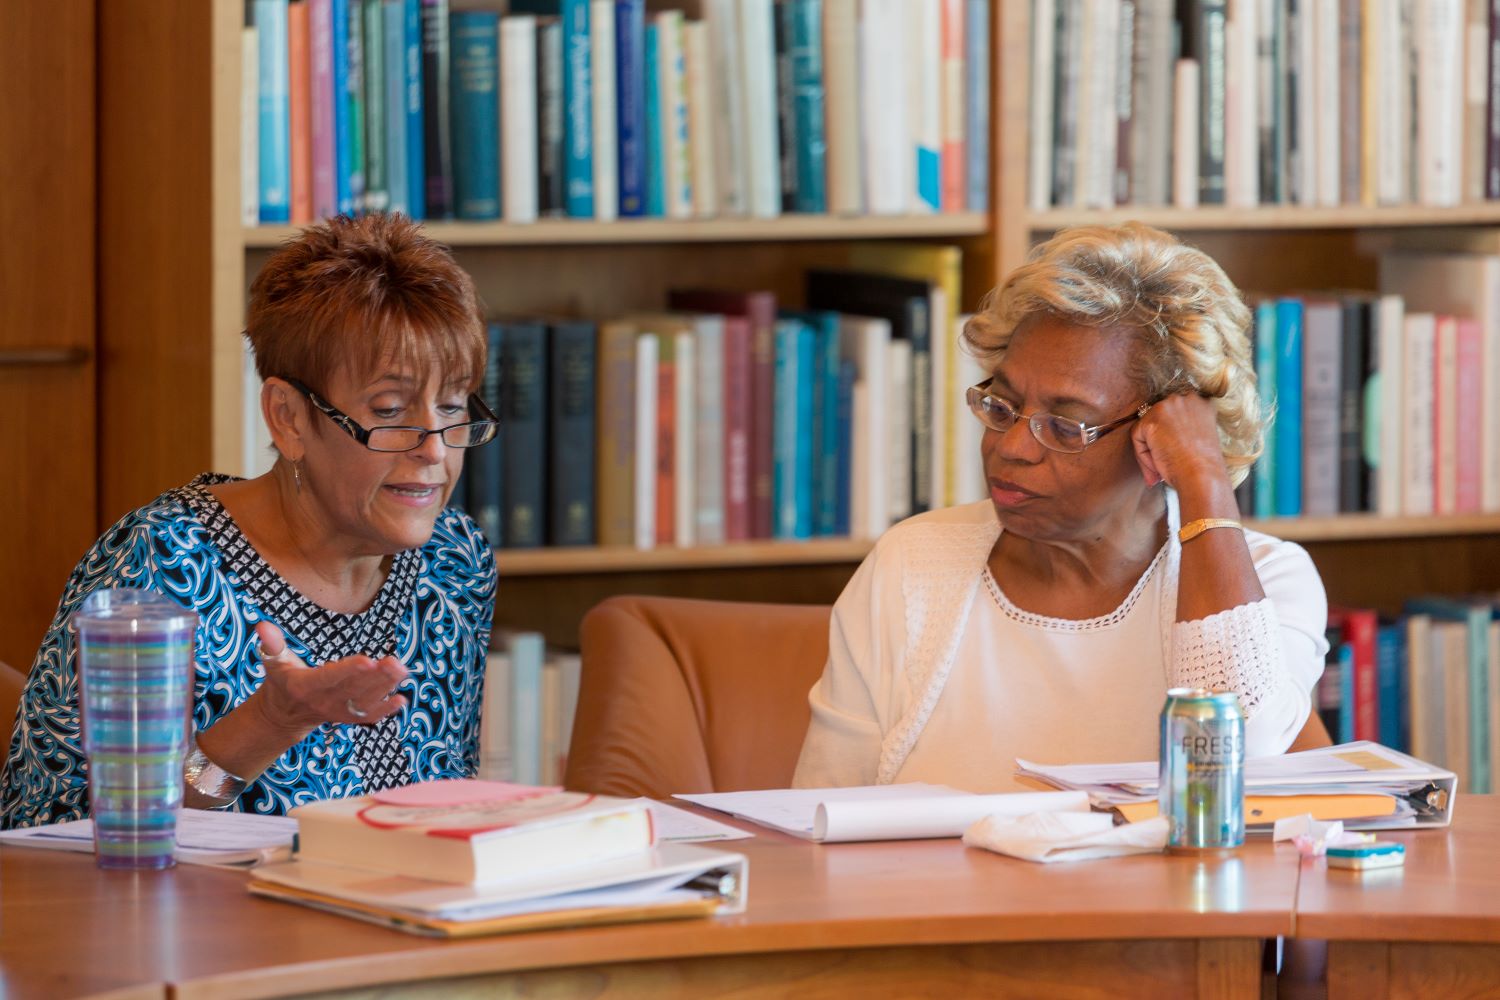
x=667, y=882
x=1368, y=786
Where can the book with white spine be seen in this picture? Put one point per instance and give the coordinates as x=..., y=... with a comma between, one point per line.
x=250, y=127
x=606, y=148
x=709, y=445
x=898, y=440
x=728, y=93
x=1185, y=139
x=671, y=82
x=1418, y=396
x=1326, y=84
x=700, y=85
x=1388, y=49
x=924, y=57
x=1043, y=66
x=889, y=173
x=518, y=118
x=865, y=342
x=647, y=351
x=761, y=144
x=1439, y=146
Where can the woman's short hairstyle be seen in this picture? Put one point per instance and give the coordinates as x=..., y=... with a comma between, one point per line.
x=1188, y=318
x=359, y=295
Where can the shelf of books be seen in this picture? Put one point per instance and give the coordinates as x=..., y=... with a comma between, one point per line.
x=574, y=232
x=1269, y=217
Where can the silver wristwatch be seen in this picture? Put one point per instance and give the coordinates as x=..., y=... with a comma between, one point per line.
x=209, y=780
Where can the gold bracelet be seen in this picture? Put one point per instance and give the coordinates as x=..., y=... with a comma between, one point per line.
x=1193, y=529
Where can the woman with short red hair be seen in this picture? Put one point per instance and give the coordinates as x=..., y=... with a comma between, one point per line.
x=344, y=608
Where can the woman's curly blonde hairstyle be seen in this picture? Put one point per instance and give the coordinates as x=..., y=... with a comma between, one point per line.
x=1191, y=324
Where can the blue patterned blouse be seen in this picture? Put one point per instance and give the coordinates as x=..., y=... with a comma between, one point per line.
x=433, y=613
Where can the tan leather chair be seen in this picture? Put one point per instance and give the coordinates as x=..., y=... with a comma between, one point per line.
x=681, y=695
x=11, y=683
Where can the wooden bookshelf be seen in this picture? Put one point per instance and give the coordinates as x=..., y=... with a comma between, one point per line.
x=576, y=232
x=175, y=260
x=1269, y=217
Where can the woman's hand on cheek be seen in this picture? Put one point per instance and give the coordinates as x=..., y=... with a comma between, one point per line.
x=296, y=698
x=1177, y=442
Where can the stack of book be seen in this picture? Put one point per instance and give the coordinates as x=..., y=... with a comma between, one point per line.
x=723, y=418
x=459, y=858
x=599, y=109
x=1387, y=403
x=530, y=698
x=1248, y=102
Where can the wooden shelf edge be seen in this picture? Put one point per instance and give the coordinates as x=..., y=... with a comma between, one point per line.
x=1370, y=527
x=565, y=232
x=1270, y=218
x=619, y=559
x=577, y=561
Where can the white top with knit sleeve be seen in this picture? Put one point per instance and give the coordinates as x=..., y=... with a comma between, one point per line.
x=933, y=675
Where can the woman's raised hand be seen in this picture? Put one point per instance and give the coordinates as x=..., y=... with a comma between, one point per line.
x=1177, y=442
x=353, y=689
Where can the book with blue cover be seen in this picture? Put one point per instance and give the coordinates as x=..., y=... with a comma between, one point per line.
x=571, y=370
x=1264, y=471
x=1390, y=684
x=822, y=429
x=476, y=114
x=1288, y=428
x=803, y=21
x=578, y=161
x=977, y=105
x=793, y=468
x=394, y=84
x=274, y=112
x=483, y=465
x=630, y=103
x=523, y=430
x=656, y=173
x=338, y=16
x=415, y=104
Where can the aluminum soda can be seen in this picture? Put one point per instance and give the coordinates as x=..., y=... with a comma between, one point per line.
x=1202, y=786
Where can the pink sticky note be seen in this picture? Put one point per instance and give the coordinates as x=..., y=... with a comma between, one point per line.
x=457, y=792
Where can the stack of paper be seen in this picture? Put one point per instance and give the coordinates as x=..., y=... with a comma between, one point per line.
x=1369, y=786
x=911, y=811
x=204, y=837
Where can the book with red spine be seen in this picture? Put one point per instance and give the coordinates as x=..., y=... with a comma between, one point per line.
x=1358, y=627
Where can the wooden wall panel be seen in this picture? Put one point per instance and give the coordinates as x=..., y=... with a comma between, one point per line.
x=155, y=259
x=48, y=508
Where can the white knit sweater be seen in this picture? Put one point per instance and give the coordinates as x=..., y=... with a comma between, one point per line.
x=899, y=623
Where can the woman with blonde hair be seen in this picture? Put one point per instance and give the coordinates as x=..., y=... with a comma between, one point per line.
x=344, y=608
x=1108, y=564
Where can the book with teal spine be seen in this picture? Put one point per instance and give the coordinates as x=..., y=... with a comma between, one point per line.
x=274, y=112
x=792, y=423
x=415, y=105
x=394, y=40
x=578, y=88
x=1288, y=459
x=1264, y=471
x=475, y=41
x=804, y=34
x=656, y=174
x=354, y=100
x=823, y=426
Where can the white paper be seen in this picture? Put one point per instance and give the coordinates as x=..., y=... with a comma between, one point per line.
x=1051, y=837
x=938, y=816
x=881, y=812
x=794, y=810
x=678, y=826
x=204, y=837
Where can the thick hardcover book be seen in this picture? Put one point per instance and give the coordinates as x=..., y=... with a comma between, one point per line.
x=275, y=112
x=578, y=100
x=630, y=105
x=1289, y=403
x=1264, y=471
x=708, y=392
x=377, y=93
x=470, y=832
x=571, y=433
x=1468, y=674
x=414, y=108
x=603, y=109
x=1320, y=407
x=476, y=114
x=615, y=430
x=793, y=418
x=806, y=49
x=1271, y=105
x=1355, y=347
x=1357, y=628
x=1153, y=59
x=551, y=146
x=656, y=182
x=395, y=106
x=299, y=120
x=343, y=128
x=518, y=117
x=354, y=96
x=523, y=427
x=1069, y=35
x=822, y=428
x=924, y=50
x=977, y=108
x=904, y=302
x=666, y=435
x=759, y=308
x=324, y=113
x=739, y=423
x=1204, y=40
x=483, y=471
x=757, y=43
x=786, y=110
x=437, y=135
x=1390, y=686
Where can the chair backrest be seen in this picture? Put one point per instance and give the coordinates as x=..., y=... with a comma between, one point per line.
x=683, y=695
x=11, y=683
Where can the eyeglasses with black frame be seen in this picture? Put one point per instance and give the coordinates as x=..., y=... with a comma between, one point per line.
x=469, y=434
x=1052, y=431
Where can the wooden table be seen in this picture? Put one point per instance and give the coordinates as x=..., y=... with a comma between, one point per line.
x=925, y=918
x=1428, y=929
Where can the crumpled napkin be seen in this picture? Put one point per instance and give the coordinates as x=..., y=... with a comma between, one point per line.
x=1066, y=836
